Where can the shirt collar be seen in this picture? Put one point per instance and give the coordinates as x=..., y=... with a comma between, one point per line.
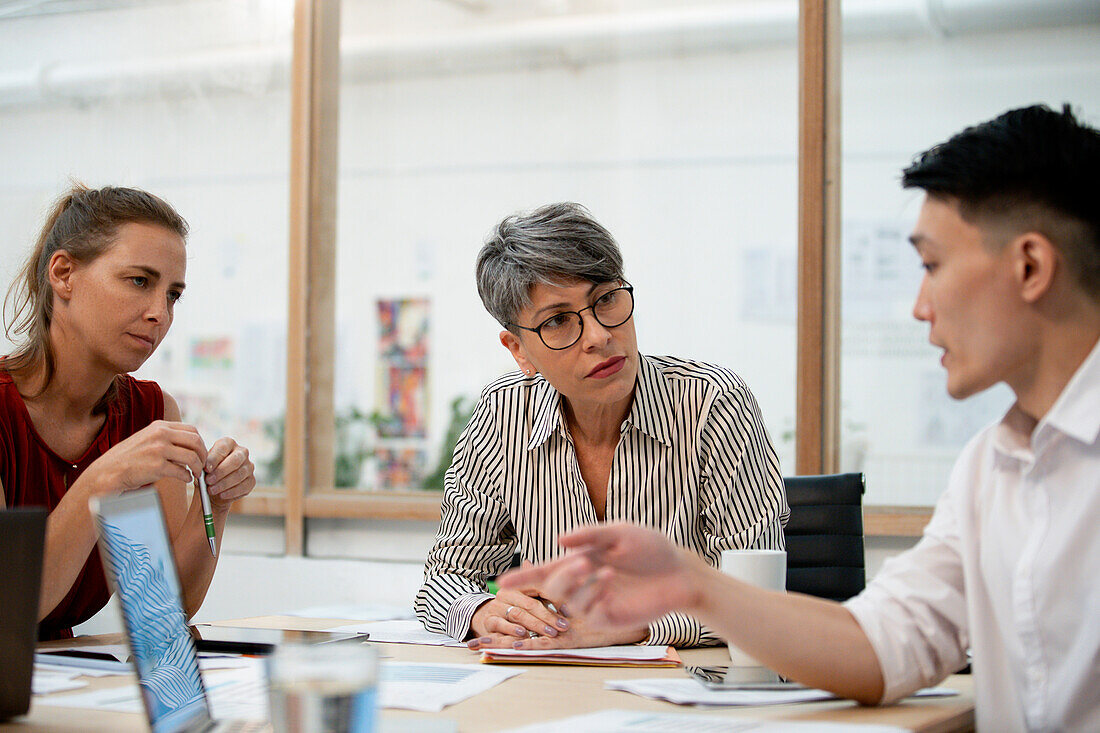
x=1075, y=413
x=548, y=415
x=650, y=412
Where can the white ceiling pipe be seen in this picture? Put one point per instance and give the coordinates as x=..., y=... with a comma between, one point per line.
x=575, y=39
x=970, y=16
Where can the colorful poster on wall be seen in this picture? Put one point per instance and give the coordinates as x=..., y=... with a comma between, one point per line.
x=212, y=353
x=400, y=468
x=402, y=394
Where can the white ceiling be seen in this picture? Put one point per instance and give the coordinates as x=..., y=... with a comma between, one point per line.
x=29, y=8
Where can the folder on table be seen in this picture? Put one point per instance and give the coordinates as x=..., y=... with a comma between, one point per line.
x=604, y=656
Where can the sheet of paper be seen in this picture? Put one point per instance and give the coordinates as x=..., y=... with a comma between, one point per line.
x=683, y=691
x=61, y=661
x=123, y=699
x=935, y=692
x=47, y=681
x=431, y=687
x=633, y=653
x=233, y=693
x=238, y=694
x=242, y=693
x=224, y=661
x=119, y=652
x=633, y=721
x=405, y=631
x=690, y=692
x=85, y=672
x=65, y=664
x=362, y=611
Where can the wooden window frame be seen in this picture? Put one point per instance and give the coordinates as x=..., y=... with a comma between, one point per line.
x=309, y=449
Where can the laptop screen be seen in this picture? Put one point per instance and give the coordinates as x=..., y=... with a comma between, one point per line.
x=22, y=533
x=138, y=559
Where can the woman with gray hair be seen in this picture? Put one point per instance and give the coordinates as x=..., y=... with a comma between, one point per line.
x=588, y=430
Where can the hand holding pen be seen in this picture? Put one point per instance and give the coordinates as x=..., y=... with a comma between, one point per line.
x=207, y=513
x=231, y=475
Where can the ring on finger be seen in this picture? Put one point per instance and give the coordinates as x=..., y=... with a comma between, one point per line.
x=508, y=613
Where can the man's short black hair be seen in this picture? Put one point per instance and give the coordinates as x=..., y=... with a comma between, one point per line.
x=1034, y=168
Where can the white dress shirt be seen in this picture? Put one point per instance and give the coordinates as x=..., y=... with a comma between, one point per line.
x=694, y=461
x=1010, y=567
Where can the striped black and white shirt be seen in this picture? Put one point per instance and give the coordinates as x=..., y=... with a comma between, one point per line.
x=694, y=461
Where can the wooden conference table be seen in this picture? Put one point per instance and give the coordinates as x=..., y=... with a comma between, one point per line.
x=542, y=693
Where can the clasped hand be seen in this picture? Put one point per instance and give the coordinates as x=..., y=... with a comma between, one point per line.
x=515, y=615
x=175, y=450
x=525, y=619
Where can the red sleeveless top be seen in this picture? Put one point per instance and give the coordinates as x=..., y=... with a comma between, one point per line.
x=34, y=475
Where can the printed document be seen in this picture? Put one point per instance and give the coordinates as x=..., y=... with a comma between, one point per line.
x=431, y=687
x=403, y=631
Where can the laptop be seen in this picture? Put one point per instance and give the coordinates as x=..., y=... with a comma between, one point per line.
x=22, y=539
x=140, y=567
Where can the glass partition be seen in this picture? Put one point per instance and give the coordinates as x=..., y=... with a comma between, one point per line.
x=675, y=123
x=906, y=86
x=190, y=101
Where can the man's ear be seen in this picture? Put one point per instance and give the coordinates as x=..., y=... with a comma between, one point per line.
x=59, y=272
x=515, y=348
x=1036, y=266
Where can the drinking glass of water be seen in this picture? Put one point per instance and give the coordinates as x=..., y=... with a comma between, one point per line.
x=323, y=687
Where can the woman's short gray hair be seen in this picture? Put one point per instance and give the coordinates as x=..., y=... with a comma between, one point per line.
x=551, y=244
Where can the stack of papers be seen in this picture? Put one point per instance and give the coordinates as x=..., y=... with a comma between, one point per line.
x=241, y=691
x=47, y=681
x=233, y=693
x=600, y=656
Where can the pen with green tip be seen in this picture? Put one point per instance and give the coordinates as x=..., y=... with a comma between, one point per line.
x=207, y=514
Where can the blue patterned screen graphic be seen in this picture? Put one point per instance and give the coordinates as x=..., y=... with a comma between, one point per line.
x=139, y=559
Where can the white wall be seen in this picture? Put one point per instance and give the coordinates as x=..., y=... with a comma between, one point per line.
x=257, y=585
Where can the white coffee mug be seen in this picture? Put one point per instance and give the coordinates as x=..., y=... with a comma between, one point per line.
x=766, y=569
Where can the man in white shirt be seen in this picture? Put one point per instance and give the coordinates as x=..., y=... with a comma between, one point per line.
x=1009, y=566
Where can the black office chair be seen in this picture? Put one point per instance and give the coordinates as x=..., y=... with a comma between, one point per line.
x=825, y=535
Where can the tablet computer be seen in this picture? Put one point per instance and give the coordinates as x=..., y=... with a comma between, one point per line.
x=242, y=640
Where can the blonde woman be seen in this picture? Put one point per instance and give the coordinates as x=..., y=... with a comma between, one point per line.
x=92, y=303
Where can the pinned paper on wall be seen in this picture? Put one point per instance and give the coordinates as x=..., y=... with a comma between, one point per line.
x=406, y=393
x=212, y=353
x=403, y=367
x=403, y=331
x=401, y=397
x=399, y=467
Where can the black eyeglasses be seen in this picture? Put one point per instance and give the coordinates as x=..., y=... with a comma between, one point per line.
x=562, y=330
